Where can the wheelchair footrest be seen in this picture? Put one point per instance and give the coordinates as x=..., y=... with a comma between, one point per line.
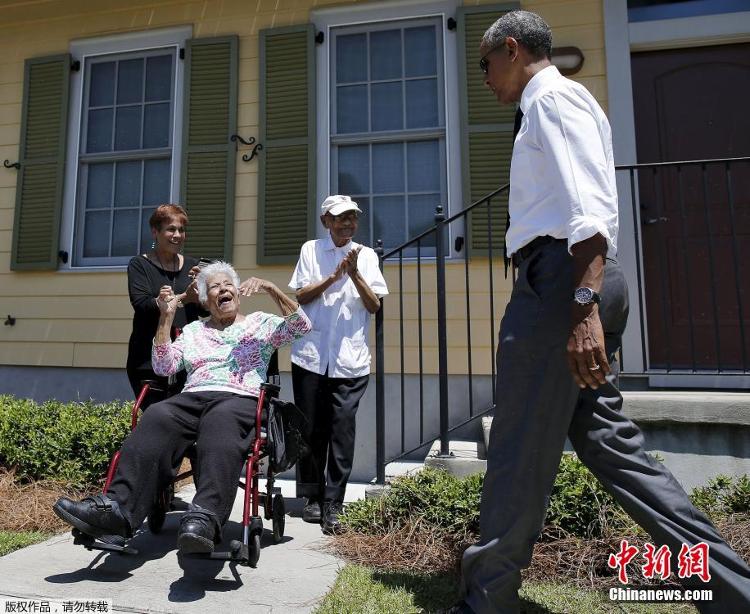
x=116, y=543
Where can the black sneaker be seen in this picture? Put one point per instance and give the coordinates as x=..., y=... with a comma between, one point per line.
x=197, y=533
x=311, y=511
x=96, y=516
x=330, y=524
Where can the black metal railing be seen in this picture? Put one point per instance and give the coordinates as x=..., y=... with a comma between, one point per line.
x=691, y=221
x=691, y=225
x=423, y=379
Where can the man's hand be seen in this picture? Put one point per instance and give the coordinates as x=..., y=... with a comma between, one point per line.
x=587, y=358
x=350, y=261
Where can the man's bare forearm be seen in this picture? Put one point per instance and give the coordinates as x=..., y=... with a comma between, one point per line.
x=312, y=291
x=588, y=271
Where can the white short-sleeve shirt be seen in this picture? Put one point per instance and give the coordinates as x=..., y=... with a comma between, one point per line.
x=339, y=338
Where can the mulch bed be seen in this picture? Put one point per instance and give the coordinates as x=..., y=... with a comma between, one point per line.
x=419, y=548
x=27, y=506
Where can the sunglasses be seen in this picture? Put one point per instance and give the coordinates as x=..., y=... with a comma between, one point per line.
x=484, y=63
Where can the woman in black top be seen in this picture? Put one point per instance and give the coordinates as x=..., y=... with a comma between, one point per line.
x=163, y=266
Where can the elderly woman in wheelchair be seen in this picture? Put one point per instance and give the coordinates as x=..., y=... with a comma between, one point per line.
x=226, y=359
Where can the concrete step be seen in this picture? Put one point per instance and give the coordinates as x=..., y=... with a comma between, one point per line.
x=695, y=407
x=464, y=458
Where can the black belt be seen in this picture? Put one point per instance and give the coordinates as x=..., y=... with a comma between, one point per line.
x=520, y=255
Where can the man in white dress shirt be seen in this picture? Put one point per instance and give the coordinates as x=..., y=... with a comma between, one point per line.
x=338, y=283
x=559, y=336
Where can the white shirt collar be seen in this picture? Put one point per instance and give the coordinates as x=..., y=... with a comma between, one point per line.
x=329, y=245
x=536, y=84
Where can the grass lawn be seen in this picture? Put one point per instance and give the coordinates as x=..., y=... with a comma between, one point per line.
x=13, y=540
x=364, y=590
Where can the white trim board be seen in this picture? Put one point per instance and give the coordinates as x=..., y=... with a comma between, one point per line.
x=690, y=31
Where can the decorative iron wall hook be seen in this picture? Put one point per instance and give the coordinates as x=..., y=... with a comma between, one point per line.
x=7, y=164
x=247, y=157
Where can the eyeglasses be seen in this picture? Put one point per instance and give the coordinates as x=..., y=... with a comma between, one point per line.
x=484, y=63
x=349, y=216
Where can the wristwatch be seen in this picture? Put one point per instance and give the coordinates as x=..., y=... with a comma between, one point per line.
x=586, y=296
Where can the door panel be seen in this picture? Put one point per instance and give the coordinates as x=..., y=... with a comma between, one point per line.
x=695, y=219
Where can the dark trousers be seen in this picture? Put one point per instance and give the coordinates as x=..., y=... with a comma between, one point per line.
x=330, y=404
x=538, y=404
x=220, y=423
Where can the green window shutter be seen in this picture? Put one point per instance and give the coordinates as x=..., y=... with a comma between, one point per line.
x=487, y=131
x=208, y=154
x=39, y=190
x=286, y=186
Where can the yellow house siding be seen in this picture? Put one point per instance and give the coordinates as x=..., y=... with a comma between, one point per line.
x=83, y=318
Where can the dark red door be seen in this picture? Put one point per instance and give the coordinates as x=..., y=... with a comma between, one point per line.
x=695, y=219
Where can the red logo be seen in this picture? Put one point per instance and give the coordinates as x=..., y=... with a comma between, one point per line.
x=620, y=560
x=694, y=561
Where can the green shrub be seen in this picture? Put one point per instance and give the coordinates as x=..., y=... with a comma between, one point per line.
x=69, y=442
x=579, y=505
x=723, y=495
x=431, y=496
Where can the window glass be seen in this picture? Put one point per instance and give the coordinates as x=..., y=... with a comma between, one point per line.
x=385, y=55
x=350, y=102
x=387, y=106
x=352, y=65
x=388, y=126
x=126, y=157
x=420, y=51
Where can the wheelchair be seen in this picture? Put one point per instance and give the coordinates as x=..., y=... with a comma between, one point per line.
x=247, y=551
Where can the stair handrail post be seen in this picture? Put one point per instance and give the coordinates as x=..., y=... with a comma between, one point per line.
x=441, y=231
x=379, y=383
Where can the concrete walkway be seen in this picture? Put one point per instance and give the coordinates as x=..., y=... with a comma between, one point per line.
x=291, y=577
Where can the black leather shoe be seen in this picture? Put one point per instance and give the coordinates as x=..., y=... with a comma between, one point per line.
x=311, y=511
x=197, y=533
x=331, y=524
x=460, y=608
x=95, y=516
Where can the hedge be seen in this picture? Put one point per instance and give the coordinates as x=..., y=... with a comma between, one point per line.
x=68, y=442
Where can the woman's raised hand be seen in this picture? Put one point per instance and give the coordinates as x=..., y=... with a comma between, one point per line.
x=255, y=285
x=166, y=301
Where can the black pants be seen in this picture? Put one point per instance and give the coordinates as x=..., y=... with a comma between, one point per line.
x=538, y=404
x=222, y=426
x=330, y=404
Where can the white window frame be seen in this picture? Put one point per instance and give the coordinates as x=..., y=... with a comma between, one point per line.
x=83, y=50
x=377, y=13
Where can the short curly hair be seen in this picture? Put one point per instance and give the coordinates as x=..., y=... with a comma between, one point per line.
x=162, y=214
x=527, y=28
x=206, y=273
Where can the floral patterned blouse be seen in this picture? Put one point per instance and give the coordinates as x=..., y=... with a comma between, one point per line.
x=232, y=360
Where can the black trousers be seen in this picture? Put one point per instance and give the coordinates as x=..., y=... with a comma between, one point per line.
x=330, y=404
x=221, y=424
x=538, y=404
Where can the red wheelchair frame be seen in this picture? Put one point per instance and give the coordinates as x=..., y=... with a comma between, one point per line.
x=247, y=551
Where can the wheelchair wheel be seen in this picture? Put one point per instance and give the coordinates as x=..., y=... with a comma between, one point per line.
x=159, y=512
x=279, y=518
x=254, y=549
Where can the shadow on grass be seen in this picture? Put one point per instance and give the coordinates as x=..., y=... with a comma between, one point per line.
x=432, y=593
